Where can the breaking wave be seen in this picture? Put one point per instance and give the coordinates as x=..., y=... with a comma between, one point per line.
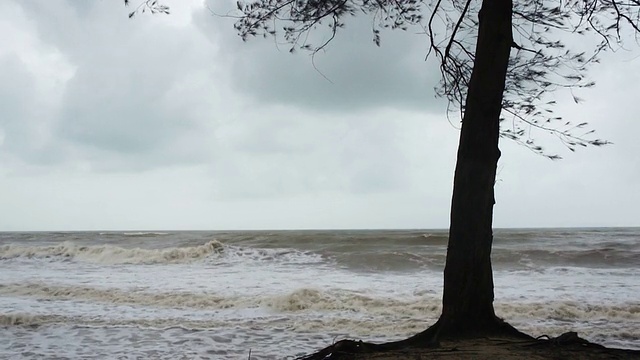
x=308, y=310
x=419, y=307
x=118, y=296
x=310, y=300
x=328, y=312
x=110, y=254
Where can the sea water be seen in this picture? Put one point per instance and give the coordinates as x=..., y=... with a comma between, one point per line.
x=222, y=295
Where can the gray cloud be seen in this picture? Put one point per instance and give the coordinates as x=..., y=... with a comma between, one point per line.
x=15, y=99
x=360, y=75
x=133, y=99
x=26, y=115
x=127, y=106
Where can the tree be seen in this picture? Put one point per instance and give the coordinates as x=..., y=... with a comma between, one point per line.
x=503, y=78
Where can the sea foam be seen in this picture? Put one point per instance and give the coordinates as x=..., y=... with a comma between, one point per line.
x=110, y=254
x=309, y=299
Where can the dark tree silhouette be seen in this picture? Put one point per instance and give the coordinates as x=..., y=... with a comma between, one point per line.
x=499, y=62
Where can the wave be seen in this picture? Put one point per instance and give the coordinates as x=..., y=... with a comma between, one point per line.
x=362, y=327
x=376, y=329
x=352, y=256
x=145, y=233
x=118, y=296
x=307, y=310
x=561, y=310
x=415, y=259
x=373, y=329
x=404, y=251
x=338, y=241
x=310, y=300
x=391, y=260
x=297, y=301
x=25, y=319
x=37, y=320
x=587, y=257
x=110, y=254
x=281, y=256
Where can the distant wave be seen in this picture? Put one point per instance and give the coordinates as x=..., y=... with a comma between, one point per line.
x=110, y=254
x=586, y=257
x=133, y=233
x=350, y=255
x=144, y=233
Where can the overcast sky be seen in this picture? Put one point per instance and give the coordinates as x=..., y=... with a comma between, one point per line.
x=172, y=122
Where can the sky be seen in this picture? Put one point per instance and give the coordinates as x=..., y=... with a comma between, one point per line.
x=172, y=122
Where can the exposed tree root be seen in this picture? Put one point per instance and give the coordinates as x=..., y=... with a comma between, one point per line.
x=431, y=337
x=568, y=338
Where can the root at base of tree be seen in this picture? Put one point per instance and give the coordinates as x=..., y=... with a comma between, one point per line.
x=501, y=334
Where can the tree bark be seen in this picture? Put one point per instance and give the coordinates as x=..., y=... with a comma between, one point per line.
x=468, y=278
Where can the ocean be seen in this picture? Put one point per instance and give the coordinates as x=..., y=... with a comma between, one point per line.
x=224, y=294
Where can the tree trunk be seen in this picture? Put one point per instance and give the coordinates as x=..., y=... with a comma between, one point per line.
x=468, y=278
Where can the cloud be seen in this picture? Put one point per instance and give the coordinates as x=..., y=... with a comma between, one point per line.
x=173, y=121
x=30, y=76
x=351, y=75
x=138, y=94
x=132, y=105
x=15, y=95
x=288, y=152
x=151, y=94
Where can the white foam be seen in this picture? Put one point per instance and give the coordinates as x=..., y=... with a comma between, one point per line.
x=242, y=255
x=118, y=296
x=106, y=316
x=145, y=233
x=109, y=254
x=314, y=300
x=36, y=320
